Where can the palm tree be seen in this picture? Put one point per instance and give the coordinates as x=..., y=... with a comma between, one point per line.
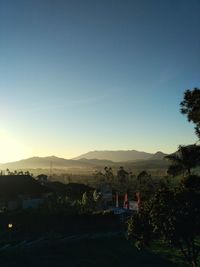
x=186, y=158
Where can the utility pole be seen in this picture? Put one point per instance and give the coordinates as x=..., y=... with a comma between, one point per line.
x=51, y=168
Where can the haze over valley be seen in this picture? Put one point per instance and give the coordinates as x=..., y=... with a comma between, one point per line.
x=88, y=160
x=87, y=165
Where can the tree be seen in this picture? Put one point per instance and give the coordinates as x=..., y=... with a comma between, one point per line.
x=122, y=175
x=174, y=217
x=97, y=198
x=42, y=178
x=85, y=201
x=27, y=173
x=190, y=106
x=140, y=230
x=174, y=170
x=143, y=176
x=108, y=174
x=145, y=185
x=186, y=158
x=191, y=182
x=90, y=201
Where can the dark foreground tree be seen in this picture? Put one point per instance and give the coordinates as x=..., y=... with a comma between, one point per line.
x=174, y=170
x=145, y=185
x=186, y=158
x=174, y=217
x=191, y=182
x=190, y=106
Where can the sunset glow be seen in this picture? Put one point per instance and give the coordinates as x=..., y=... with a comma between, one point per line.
x=96, y=76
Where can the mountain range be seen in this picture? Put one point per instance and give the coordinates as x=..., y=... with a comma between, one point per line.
x=89, y=160
x=44, y=163
x=122, y=155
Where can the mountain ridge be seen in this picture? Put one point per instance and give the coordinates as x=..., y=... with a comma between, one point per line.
x=121, y=155
x=51, y=162
x=84, y=161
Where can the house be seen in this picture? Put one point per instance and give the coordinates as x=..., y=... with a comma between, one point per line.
x=21, y=192
x=106, y=194
x=42, y=178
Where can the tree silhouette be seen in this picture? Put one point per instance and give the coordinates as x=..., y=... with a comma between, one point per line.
x=191, y=182
x=190, y=106
x=174, y=170
x=143, y=176
x=186, y=158
x=122, y=175
x=108, y=174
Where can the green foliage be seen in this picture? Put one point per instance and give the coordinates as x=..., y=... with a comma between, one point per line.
x=140, y=230
x=85, y=199
x=173, y=216
x=91, y=201
x=96, y=196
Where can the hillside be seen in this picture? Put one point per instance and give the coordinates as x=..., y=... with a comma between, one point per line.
x=121, y=155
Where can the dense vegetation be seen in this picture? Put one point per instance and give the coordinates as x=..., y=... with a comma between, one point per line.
x=172, y=214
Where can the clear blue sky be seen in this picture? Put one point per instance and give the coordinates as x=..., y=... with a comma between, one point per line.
x=88, y=75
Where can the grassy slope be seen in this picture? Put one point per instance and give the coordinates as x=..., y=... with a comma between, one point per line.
x=116, y=252
x=103, y=251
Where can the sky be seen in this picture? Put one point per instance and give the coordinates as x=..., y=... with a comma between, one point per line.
x=82, y=75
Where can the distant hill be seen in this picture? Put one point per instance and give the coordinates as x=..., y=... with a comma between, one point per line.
x=131, y=160
x=158, y=156
x=121, y=155
x=54, y=162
